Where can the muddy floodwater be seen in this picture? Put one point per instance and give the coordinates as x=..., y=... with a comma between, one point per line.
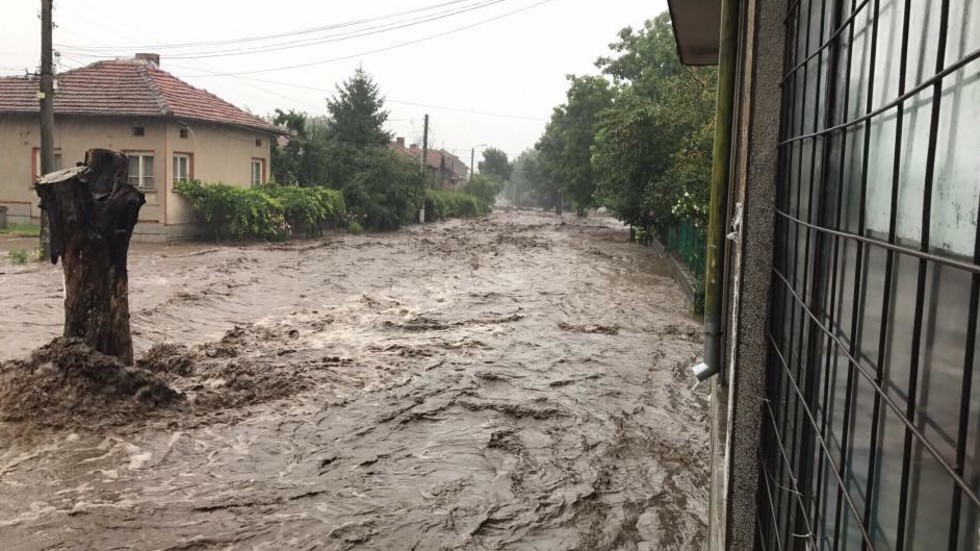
x=515, y=382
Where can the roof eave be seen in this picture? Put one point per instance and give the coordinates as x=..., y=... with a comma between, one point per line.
x=270, y=129
x=697, y=30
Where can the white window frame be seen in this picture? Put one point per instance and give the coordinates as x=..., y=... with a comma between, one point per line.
x=142, y=176
x=186, y=158
x=258, y=171
x=37, y=161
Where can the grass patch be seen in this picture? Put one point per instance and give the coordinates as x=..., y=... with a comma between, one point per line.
x=21, y=230
x=18, y=256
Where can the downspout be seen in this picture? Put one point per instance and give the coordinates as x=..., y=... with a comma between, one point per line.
x=714, y=287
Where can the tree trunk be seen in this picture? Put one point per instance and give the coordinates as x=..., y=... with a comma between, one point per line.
x=92, y=210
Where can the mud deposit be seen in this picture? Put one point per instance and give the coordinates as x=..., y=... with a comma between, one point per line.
x=509, y=383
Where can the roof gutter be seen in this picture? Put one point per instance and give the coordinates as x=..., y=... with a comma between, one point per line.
x=718, y=209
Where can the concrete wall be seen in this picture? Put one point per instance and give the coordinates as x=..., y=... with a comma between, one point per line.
x=218, y=153
x=738, y=396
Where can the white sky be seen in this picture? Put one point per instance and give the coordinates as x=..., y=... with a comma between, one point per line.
x=515, y=65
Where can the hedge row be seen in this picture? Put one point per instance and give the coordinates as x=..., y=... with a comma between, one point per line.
x=268, y=212
x=441, y=204
x=274, y=212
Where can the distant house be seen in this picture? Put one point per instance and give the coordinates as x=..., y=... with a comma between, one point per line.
x=170, y=130
x=450, y=170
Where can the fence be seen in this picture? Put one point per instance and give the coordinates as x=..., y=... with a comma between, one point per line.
x=687, y=242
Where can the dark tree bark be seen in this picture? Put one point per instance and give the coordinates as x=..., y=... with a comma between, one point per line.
x=92, y=211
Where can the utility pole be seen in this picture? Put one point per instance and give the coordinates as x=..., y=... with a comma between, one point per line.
x=472, y=161
x=425, y=144
x=46, y=97
x=425, y=158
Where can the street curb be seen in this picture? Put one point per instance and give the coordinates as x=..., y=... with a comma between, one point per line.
x=681, y=274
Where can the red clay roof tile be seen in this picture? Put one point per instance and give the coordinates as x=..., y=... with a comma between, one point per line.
x=126, y=87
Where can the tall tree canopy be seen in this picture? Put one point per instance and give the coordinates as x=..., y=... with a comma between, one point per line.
x=357, y=113
x=527, y=181
x=495, y=164
x=652, y=152
x=348, y=150
x=303, y=160
x=566, y=147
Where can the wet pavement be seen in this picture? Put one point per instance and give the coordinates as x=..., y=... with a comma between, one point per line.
x=518, y=382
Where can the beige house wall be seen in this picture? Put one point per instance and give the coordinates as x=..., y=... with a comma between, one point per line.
x=218, y=154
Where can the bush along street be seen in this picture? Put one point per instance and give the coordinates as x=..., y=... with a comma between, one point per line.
x=339, y=171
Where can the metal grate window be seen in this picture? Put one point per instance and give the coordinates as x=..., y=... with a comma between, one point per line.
x=872, y=419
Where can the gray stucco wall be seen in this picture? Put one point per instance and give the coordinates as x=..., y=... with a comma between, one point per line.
x=757, y=132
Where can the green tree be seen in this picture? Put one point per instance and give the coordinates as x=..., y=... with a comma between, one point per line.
x=569, y=153
x=385, y=190
x=357, y=113
x=485, y=187
x=652, y=152
x=357, y=117
x=304, y=159
x=495, y=164
x=550, y=148
x=527, y=182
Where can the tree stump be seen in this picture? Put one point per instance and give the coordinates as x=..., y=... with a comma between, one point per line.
x=92, y=210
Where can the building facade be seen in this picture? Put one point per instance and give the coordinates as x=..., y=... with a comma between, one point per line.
x=448, y=170
x=847, y=411
x=170, y=131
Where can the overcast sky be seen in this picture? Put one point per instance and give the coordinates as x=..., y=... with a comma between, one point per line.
x=499, y=78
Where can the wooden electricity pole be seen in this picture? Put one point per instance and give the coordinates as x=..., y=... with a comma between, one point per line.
x=425, y=144
x=46, y=97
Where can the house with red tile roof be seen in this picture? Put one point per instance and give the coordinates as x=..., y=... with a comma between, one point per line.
x=170, y=130
x=450, y=170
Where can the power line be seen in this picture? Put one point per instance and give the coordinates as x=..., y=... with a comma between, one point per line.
x=401, y=102
x=360, y=33
x=379, y=50
x=285, y=34
x=122, y=28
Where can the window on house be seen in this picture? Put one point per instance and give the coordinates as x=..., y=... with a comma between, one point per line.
x=182, y=167
x=141, y=170
x=37, y=162
x=139, y=131
x=183, y=132
x=258, y=171
x=258, y=142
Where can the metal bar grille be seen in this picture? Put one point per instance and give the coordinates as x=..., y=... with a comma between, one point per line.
x=872, y=431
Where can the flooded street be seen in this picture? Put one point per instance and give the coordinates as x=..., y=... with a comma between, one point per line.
x=515, y=382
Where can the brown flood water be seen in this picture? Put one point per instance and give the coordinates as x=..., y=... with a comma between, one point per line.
x=508, y=383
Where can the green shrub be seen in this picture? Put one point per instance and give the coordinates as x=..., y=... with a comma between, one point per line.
x=385, y=190
x=241, y=213
x=309, y=209
x=355, y=228
x=18, y=256
x=442, y=204
x=484, y=187
x=468, y=206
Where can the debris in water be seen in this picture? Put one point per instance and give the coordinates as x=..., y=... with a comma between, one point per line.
x=67, y=383
x=589, y=328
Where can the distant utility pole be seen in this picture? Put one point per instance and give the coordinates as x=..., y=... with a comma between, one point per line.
x=46, y=97
x=425, y=144
x=472, y=160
